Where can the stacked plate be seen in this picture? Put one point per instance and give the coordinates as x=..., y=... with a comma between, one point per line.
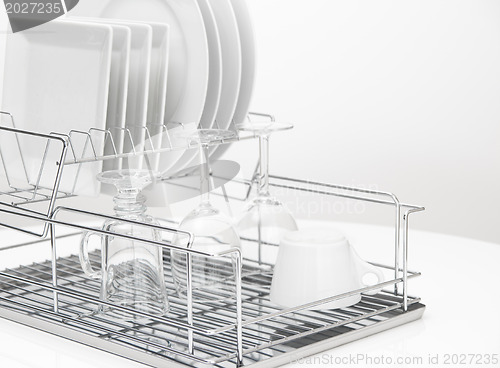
x=140, y=70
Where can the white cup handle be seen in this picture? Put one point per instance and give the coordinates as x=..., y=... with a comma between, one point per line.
x=365, y=268
x=84, y=257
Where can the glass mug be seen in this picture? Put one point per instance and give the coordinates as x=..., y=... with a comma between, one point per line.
x=131, y=271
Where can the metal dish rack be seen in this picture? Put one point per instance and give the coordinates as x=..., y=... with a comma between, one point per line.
x=42, y=284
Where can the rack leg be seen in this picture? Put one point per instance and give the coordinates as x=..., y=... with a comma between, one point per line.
x=397, y=248
x=54, y=265
x=239, y=311
x=190, y=301
x=405, y=254
x=259, y=237
x=405, y=262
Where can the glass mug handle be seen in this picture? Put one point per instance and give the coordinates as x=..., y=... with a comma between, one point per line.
x=84, y=257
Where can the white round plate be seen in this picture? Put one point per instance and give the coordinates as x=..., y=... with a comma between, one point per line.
x=215, y=66
x=248, y=65
x=215, y=72
x=188, y=60
x=231, y=72
x=231, y=60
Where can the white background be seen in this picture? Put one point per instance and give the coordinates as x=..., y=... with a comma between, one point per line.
x=396, y=95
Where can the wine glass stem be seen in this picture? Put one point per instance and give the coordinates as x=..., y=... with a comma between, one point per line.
x=205, y=174
x=264, y=165
x=129, y=202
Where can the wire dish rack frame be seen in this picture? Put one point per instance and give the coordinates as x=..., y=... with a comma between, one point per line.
x=54, y=295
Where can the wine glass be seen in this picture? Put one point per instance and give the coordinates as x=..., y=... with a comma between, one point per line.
x=213, y=278
x=264, y=219
x=131, y=272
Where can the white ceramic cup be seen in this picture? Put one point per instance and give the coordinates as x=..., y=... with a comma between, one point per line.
x=316, y=264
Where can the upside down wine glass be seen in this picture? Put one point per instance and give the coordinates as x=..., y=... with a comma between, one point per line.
x=213, y=278
x=265, y=219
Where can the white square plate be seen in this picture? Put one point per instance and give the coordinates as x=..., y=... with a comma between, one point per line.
x=138, y=88
x=56, y=79
x=118, y=91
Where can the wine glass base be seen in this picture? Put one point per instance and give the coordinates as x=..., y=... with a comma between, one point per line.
x=128, y=178
x=265, y=127
x=207, y=136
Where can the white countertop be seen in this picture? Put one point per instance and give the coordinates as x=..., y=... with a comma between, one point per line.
x=460, y=286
